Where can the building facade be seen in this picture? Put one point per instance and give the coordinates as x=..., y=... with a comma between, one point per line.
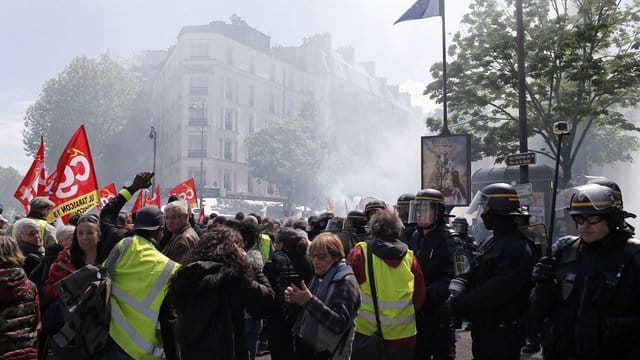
x=223, y=81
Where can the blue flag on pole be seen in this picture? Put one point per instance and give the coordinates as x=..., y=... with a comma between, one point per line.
x=422, y=9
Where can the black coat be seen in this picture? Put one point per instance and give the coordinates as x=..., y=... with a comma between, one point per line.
x=210, y=299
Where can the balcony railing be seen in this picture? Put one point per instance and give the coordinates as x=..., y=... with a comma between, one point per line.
x=197, y=153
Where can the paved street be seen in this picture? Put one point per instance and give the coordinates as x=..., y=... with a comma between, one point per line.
x=463, y=349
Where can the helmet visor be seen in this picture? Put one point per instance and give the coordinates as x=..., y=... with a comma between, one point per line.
x=591, y=198
x=477, y=204
x=423, y=212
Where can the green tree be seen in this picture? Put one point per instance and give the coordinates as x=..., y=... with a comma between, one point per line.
x=285, y=154
x=10, y=178
x=582, y=66
x=97, y=93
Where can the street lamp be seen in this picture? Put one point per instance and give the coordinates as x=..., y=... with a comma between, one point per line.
x=203, y=120
x=560, y=128
x=153, y=135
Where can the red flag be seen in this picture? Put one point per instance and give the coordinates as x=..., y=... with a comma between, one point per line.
x=201, y=217
x=346, y=207
x=187, y=191
x=329, y=206
x=34, y=180
x=153, y=199
x=140, y=201
x=75, y=187
x=106, y=194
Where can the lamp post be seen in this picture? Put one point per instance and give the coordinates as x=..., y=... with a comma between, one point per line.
x=153, y=135
x=560, y=128
x=203, y=120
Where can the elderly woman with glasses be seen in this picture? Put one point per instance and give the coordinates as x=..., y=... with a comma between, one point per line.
x=27, y=234
x=324, y=327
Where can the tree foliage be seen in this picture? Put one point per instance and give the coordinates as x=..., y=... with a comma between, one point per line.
x=97, y=93
x=285, y=154
x=10, y=178
x=582, y=66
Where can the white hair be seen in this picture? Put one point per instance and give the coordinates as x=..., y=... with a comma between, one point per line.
x=22, y=225
x=181, y=205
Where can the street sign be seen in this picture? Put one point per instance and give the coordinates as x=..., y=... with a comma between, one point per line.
x=525, y=193
x=528, y=158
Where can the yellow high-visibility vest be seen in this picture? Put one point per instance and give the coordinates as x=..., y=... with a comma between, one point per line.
x=138, y=287
x=394, y=288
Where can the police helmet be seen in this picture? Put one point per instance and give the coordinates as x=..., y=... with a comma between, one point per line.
x=501, y=198
x=426, y=200
x=355, y=220
x=617, y=193
x=149, y=218
x=402, y=206
x=372, y=206
x=593, y=199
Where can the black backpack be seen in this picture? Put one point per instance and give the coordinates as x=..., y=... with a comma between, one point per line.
x=86, y=308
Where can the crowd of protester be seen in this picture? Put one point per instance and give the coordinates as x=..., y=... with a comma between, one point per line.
x=387, y=282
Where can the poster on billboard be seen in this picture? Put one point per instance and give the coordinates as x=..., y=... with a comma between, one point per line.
x=446, y=166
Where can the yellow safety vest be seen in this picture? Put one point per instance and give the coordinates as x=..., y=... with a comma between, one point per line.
x=264, y=246
x=139, y=285
x=394, y=288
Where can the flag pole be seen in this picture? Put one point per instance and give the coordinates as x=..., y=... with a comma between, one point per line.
x=445, y=121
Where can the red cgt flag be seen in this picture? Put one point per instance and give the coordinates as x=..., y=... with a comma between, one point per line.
x=33, y=183
x=75, y=187
x=141, y=201
x=106, y=194
x=187, y=191
x=153, y=199
x=329, y=206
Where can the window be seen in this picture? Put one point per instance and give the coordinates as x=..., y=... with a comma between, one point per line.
x=228, y=149
x=199, y=49
x=228, y=119
x=227, y=180
x=197, y=146
x=229, y=85
x=272, y=72
x=198, y=85
x=252, y=96
x=272, y=103
x=252, y=65
x=251, y=126
x=229, y=55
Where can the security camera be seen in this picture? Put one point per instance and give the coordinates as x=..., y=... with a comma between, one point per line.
x=561, y=128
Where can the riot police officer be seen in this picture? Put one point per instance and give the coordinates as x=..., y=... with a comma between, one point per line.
x=461, y=226
x=498, y=287
x=434, y=244
x=589, y=290
x=402, y=207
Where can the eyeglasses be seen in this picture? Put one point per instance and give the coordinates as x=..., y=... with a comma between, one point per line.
x=319, y=257
x=591, y=219
x=88, y=218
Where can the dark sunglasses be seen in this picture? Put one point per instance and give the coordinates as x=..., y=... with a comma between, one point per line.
x=591, y=219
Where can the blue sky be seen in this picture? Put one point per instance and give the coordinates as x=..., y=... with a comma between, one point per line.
x=41, y=37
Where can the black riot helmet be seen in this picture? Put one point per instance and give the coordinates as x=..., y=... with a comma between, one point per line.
x=355, y=220
x=611, y=185
x=593, y=199
x=372, y=206
x=501, y=198
x=402, y=207
x=427, y=209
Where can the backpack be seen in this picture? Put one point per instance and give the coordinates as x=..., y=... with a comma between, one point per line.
x=86, y=307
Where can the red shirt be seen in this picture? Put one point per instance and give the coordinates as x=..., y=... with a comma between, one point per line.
x=57, y=272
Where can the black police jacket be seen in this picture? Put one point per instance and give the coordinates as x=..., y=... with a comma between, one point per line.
x=434, y=252
x=499, y=285
x=604, y=299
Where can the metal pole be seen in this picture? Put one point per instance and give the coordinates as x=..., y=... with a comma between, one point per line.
x=522, y=99
x=202, y=156
x=153, y=135
x=554, y=189
x=445, y=120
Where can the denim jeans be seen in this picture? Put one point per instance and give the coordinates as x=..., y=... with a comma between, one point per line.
x=252, y=329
